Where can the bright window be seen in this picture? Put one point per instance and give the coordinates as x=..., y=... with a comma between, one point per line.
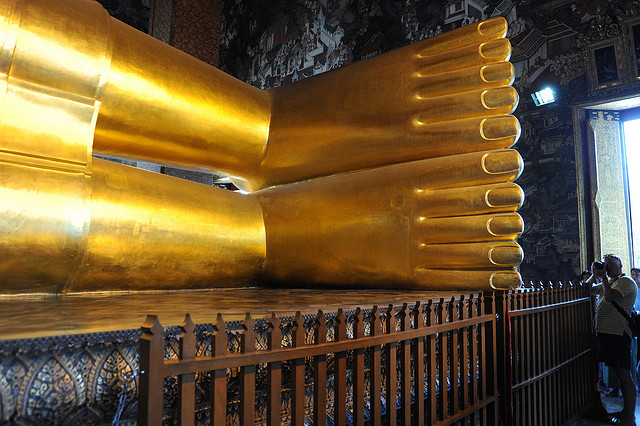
x=632, y=148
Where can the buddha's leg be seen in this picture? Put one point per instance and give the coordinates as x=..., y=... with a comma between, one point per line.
x=425, y=100
x=432, y=224
x=67, y=225
x=445, y=223
x=154, y=101
x=123, y=229
x=161, y=105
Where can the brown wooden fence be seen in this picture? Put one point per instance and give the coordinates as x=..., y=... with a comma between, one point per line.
x=425, y=364
x=523, y=357
x=552, y=352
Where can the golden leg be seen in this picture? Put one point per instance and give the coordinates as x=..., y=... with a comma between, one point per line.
x=444, y=223
x=152, y=231
x=156, y=102
x=429, y=99
x=43, y=223
x=131, y=230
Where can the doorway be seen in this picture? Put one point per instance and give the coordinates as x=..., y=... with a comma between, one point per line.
x=607, y=145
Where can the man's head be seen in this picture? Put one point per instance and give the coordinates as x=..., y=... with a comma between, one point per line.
x=635, y=274
x=613, y=265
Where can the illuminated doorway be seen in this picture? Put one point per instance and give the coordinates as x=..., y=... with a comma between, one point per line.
x=631, y=141
x=602, y=165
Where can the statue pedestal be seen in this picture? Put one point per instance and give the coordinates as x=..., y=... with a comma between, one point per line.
x=73, y=359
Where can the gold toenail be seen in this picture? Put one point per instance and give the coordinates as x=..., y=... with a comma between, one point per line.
x=499, y=97
x=493, y=26
x=505, y=280
x=497, y=72
x=500, y=127
x=505, y=225
x=506, y=255
x=504, y=196
x=504, y=161
x=499, y=49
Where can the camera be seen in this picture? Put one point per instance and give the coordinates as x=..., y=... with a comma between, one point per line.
x=598, y=265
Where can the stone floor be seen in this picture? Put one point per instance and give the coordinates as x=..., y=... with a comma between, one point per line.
x=612, y=405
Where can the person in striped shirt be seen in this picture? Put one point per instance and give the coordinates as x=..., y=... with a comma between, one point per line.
x=612, y=329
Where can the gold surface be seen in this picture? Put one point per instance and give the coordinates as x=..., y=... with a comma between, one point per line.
x=167, y=232
x=391, y=172
x=394, y=217
x=31, y=316
x=162, y=105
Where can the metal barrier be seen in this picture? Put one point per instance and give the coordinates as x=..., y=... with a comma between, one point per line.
x=428, y=364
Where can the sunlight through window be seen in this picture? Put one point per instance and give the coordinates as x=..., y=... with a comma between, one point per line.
x=632, y=145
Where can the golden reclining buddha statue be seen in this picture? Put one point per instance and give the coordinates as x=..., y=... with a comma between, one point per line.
x=392, y=172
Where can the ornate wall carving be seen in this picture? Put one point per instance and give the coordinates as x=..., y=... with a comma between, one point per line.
x=69, y=380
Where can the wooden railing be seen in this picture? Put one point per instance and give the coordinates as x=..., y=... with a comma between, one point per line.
x=552, y=354
x=426, y=364
x=523, y=357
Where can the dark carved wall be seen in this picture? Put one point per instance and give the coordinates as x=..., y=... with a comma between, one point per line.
x=292, y=40
x=131, y=12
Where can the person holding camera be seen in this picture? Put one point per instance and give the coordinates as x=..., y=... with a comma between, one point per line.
x=612, y=328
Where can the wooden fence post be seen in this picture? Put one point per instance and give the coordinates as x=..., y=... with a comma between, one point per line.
x=358, y=371
x=219, y=339
x=473, y=366
x=432, y=364
x=297, y=373
x=274, y=373
x=187, y=382
x=455, y=347
x=375, y=370
x=446, y=384
x=503, y=355
x=392, y=373
x=498, y=357
x=483, y=331
x=340, y=372
x=464, y=355
x=441, y=361
x=247, y=373
x=320, y=372
x=151, y=383
x=405, y=368
x=418, y=360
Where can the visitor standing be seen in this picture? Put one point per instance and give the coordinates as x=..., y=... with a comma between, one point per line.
x=612, y=328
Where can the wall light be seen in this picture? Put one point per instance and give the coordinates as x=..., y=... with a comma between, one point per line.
x=544, y=96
